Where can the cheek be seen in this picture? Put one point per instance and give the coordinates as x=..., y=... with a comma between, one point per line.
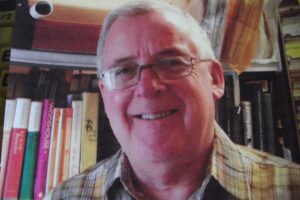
x=116, y=104
x=198, y=99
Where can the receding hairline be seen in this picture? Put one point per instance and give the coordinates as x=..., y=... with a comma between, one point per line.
x=143, y=8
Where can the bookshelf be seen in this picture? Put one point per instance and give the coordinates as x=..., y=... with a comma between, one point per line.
x=73, y=64
x=290, y=48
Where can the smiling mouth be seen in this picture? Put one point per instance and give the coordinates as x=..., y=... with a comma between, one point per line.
x=160, y=115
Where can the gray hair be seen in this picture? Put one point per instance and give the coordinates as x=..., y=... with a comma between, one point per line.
x=197, y=35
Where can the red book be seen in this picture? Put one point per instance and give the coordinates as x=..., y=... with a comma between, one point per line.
x=16, y=150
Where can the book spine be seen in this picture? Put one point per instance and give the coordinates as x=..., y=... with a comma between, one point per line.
x=43, y=150
x=9, y=113
x=247, y=123
x=76, y=138
x=52, y=150
x=16, y=152
x=235, y=120
x=27, y=180
x=88, y=152
x=67, y=142
x=255, y=95
x=58, y=167
x=269, y=123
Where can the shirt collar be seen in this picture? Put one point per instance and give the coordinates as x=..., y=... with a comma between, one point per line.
x=226, y=166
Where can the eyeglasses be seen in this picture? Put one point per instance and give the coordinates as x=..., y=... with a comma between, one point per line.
x=122, y=77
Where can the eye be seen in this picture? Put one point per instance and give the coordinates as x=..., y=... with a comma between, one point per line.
x=172, y=63
x=124, y=70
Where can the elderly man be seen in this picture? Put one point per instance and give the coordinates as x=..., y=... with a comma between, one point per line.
x=159, y=81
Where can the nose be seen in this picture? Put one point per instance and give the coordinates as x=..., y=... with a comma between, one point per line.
x=149, y=83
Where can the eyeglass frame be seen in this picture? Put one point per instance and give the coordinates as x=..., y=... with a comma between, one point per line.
x=193, y=61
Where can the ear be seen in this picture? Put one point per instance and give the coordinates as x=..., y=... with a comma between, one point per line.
x=216, y=73
x=101, y=86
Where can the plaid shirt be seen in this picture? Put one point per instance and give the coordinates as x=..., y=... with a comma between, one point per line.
x=234, y=172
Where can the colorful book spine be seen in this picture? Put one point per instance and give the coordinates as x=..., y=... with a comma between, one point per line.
x=76, y=138
x=43, y=150
x=67, y=142
x=27, y=181
x=52, y=151
x=9, y=113
x=88, y=153
x=16, y=149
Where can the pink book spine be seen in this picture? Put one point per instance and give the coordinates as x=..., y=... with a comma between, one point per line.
x=14, y=164
x=16, y=149
x=43, y=150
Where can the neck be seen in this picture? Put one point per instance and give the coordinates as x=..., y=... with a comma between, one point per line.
x=170, y=180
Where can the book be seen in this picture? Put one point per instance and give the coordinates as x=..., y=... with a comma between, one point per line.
x=294, y=65
x=60, y=147
x=247, y=123
x=224, y=106
x=89, y=130
x=5, y=36
x=76, y=138
x=43, y=149
x=4, y=57
x=254, y=94
x=45, y=136
x=293, y=49
x=269, y=123
x=10, y=107
x=290, y=26
x=236, y=134
x=52, y=149
x=67, y=131
x=28, y=171
x=16, y=149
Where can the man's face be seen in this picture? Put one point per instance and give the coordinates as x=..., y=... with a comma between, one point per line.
x=159, y=120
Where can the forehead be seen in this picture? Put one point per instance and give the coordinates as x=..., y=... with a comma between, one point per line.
x=146, y=34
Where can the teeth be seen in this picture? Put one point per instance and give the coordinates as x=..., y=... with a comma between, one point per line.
x=156, y=116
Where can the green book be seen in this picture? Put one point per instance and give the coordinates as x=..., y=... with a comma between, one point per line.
x=32, y=140
x=5, y=36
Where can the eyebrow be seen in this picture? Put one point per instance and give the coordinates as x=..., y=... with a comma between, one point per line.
x=123, y=60
x=168, y=52
x=157, y=55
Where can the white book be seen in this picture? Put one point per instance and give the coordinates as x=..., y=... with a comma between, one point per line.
x=58, y=159
x=76, y=138
x=247, y=123
x=52, y=149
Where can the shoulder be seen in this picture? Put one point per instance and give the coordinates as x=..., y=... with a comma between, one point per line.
x=91, y=183
x=252, y=172
x=271, y=177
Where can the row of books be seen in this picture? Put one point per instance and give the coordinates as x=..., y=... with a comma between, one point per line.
x=246, y=114
x=290, y=18
x=52, y=131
